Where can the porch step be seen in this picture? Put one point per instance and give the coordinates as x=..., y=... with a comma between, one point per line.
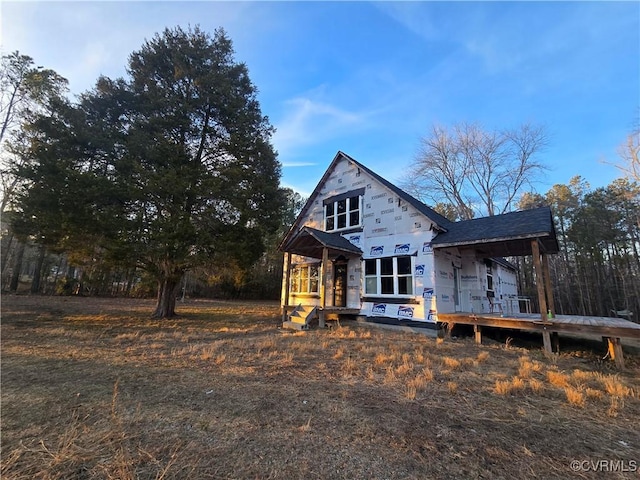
x=300, y=316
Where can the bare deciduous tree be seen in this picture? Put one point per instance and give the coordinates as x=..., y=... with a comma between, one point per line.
x=24, y=90
x=629, y=152
x=475, y=170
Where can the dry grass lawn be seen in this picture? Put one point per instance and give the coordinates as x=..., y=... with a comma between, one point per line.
x=92, y=388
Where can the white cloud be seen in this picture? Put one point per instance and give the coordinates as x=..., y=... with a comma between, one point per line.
x=414, y=16
x=298, y=164
x=83, y=40
x=307, y=122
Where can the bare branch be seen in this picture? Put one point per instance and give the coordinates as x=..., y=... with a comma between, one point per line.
x=476, y=170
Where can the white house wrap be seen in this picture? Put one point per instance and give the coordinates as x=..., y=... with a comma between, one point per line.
x=362, y=246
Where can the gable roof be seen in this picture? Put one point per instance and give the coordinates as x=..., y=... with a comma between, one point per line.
x=441, y=222
x=310, y=242
x=507, y=234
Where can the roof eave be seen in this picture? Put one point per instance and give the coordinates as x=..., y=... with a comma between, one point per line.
x=489, y=240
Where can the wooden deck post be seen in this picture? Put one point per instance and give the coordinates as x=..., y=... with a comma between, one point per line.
x=287, y=281
x=537, y=267
x=555, y=341
x=323, y=286
x=546, y=340
x=477, y=329
x=615, y=351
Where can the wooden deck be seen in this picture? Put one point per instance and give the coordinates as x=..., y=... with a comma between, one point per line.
x=613, y=329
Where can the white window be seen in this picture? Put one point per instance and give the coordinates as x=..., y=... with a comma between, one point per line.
x=388, y=276
x=489, y=278
x=343, y=213
x=304, y=278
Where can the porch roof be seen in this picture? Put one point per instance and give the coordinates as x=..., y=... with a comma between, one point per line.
x=310, y=242
x=509, y=234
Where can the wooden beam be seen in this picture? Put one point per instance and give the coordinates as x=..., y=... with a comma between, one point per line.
x=547, y=284
x=615, y=351
x=546, y=341
x=325, y=271
x=287, y=281
x=477, y=329
x=537, y=267
x=323, y=287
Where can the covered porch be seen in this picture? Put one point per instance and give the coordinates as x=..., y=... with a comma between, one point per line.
x=334, y=252
x=529, y=232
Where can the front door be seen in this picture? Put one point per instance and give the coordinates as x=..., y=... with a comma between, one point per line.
x=340, y=285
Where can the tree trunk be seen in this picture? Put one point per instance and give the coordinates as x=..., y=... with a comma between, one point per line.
x=6, y=249
x=17, y=268
x=130, y=280
x=166, y=304
x=58, y=270
x=37, y=275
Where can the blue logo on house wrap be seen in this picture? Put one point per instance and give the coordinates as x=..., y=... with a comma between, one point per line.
x=432, y=316
x=426, y=247
x=405, y=312
x=355, y=239
x=402, y=248
x=379, y=308
x=379, y=250
x=419, y=270
x=427, y=293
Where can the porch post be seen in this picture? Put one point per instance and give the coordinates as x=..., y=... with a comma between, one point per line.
x=323, y=286
x=537, y=266
x=287, y=281
x=547, y=283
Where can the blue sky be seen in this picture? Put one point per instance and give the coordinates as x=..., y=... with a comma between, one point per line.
x=371, y=78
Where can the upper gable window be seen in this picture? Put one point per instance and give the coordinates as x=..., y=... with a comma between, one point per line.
x=343, y=211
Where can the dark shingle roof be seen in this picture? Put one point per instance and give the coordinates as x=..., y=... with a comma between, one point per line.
x=513, y=231
x=310, y=242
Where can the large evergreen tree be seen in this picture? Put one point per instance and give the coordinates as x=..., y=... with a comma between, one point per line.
x=171, y=167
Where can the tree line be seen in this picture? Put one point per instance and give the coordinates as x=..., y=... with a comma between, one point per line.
x=166, y=183
x=597, y=271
